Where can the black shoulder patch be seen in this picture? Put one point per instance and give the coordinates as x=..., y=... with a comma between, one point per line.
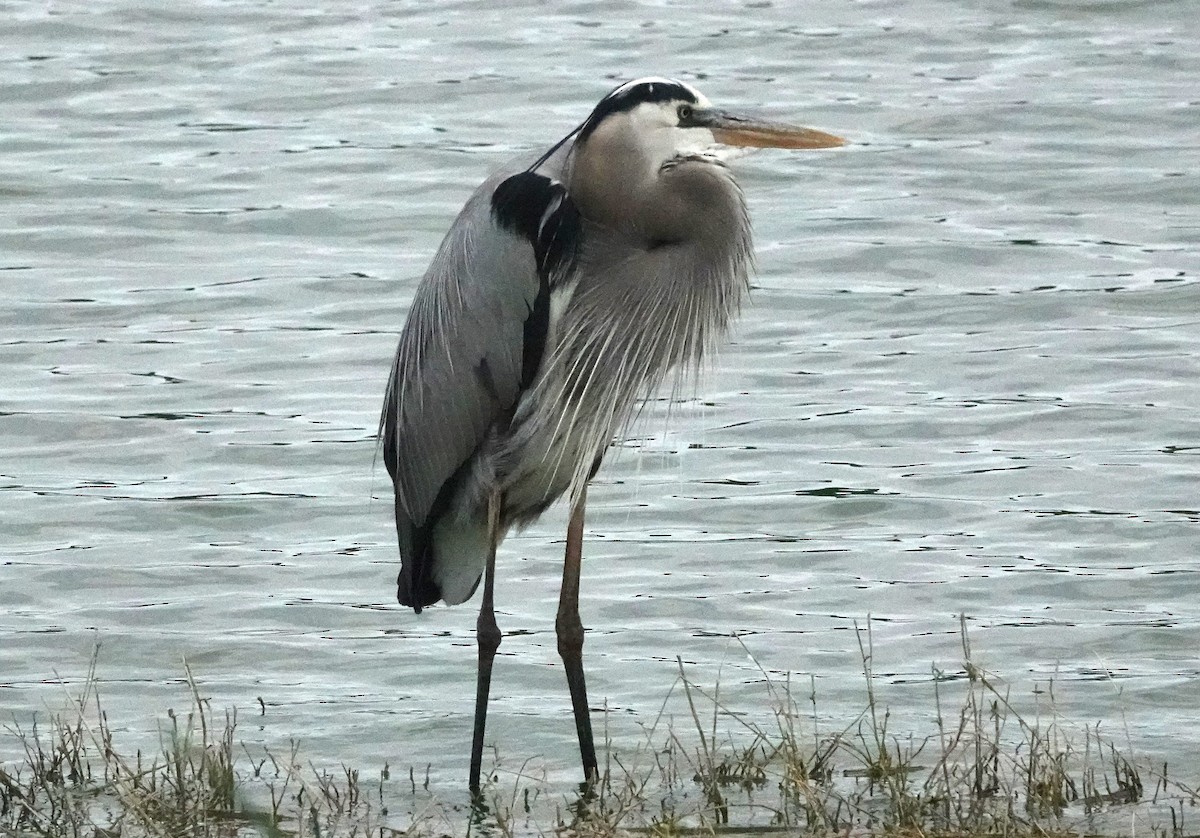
x=631, y=94
x=539, y=208
x=534, y=334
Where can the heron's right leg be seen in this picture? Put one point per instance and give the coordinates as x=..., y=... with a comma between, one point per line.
x=487, y=635
x=570, y=638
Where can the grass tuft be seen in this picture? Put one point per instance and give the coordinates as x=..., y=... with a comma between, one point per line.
x=984, y=770
x=75, y=781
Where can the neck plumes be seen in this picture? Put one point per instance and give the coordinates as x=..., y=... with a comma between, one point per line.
x=664, y=266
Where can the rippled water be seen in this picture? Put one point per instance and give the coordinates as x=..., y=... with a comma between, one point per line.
x=966, y=384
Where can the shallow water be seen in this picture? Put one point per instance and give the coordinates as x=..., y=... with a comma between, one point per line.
x=965, y=384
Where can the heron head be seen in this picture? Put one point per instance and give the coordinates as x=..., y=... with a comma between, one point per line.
x=667, y=117
x=625, y=164
x=641, y=118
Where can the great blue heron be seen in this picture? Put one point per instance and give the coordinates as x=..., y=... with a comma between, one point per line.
x=564, y=292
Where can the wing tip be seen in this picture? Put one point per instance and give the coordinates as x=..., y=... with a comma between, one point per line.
x=416, y=596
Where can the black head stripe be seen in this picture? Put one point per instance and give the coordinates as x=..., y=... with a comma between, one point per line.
x=631, y=94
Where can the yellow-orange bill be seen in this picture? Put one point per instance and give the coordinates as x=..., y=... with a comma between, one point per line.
x=773, y=135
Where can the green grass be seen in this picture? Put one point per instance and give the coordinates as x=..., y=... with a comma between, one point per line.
x=983, y=770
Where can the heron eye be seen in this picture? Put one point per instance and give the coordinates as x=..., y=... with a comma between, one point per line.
x=684, y=112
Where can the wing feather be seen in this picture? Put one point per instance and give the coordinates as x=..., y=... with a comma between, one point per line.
x=471, y=344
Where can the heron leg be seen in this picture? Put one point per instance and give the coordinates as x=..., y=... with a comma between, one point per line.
x=570, y=638
x=487, y=636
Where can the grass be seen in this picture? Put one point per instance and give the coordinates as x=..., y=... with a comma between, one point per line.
x=984, y=770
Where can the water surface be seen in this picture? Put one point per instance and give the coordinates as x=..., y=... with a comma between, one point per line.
x=965, y=384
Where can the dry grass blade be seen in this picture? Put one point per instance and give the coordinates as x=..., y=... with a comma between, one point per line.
x=985, y=770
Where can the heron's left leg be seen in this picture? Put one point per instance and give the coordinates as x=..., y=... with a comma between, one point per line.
x=570, y=638
x=487, y=635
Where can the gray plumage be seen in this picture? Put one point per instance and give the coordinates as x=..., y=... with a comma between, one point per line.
x=565, y=292
x=664, y=281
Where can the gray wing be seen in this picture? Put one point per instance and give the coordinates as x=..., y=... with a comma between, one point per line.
x=472, y=342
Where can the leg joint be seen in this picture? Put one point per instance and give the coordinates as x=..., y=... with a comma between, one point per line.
x=570, y=634
x=487, y=633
